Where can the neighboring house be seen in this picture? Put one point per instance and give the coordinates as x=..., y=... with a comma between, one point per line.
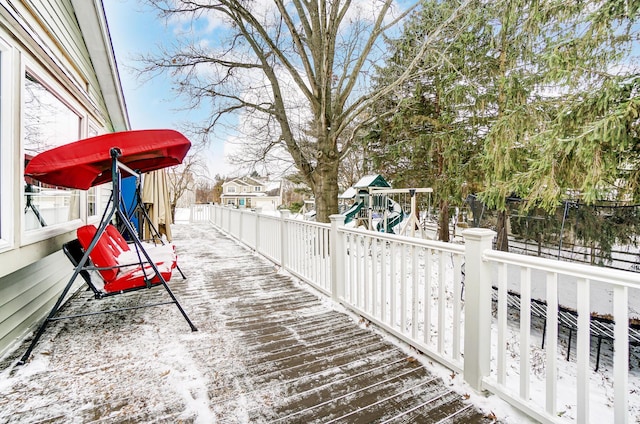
x=247, y=192
x=58, y=83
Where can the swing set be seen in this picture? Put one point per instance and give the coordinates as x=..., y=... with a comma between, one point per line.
x=382, y=201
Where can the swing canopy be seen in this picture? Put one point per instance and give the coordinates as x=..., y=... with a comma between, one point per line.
x=86, y=163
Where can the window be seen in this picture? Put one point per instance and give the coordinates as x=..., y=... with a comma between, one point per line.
x=257, y=188
x=6, y=150
x=231, y=189
x=48, y=122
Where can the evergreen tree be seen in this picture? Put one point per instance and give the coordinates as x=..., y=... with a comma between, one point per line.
x=567, y=101
x=430, y=128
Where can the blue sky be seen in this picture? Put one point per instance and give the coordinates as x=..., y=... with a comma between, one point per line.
x=137, y=30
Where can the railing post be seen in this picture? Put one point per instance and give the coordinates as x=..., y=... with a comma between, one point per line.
x=336, y=255
x=258, y=212
x=477, y=295
x=284, y=232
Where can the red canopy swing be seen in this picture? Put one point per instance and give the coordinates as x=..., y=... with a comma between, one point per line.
x=93, y=161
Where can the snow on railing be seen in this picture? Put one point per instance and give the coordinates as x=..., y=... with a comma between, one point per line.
x=416, y=290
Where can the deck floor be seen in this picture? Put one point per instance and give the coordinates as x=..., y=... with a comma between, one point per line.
x=267, y=350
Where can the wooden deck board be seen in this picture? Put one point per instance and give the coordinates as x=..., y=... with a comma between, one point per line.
x=266, y=351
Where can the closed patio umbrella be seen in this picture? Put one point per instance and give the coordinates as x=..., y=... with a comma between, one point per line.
x=155, y=196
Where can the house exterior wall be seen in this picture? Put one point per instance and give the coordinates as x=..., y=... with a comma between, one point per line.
x=42, y=39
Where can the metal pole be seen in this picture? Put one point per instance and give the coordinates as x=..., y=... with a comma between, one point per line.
x=564, y=218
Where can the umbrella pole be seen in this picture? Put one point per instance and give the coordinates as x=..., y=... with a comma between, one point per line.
x=152, y=228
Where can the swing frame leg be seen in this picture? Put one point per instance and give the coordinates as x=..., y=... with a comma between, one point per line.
x=45, y=322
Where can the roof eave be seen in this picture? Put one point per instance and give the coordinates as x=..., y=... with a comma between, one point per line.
x=95, y=30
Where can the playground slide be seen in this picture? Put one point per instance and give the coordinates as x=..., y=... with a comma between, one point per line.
x=394, y=217
x=351, y=213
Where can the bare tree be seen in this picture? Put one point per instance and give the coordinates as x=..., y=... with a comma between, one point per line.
x=183, y=178
x=297, y=71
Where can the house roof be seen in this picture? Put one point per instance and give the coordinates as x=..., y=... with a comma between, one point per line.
x=271, y=188
x=245, y=181
x=252, y=194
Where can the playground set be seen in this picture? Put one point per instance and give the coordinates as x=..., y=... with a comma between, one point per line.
x=377, y=206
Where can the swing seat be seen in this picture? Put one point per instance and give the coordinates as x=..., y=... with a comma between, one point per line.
x=122, y=249
x=119, y=266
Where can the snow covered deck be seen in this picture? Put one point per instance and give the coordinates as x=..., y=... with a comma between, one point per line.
x=267, y=350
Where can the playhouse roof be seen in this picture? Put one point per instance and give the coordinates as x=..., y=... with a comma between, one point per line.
x=372, y=181
x=349, y=193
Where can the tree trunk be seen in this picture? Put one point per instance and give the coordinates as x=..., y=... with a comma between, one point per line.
x=502, y=242
x=443, y=222
x=325, y=188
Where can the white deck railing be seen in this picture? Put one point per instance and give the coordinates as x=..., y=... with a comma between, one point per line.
x=416, y=290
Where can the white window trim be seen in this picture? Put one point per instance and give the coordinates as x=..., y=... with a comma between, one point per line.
x=7, y=155
x=98, y=130
x=34, y=236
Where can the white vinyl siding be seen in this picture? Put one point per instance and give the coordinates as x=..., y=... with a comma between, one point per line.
x=30, y=292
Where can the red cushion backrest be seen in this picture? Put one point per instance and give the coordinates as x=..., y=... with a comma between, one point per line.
x=117, y=237
x=103, y=254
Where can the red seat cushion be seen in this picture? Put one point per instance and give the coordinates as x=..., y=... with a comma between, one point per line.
x=157, y=252
x=134, y=278
x=105, y=254
x=117, y=237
